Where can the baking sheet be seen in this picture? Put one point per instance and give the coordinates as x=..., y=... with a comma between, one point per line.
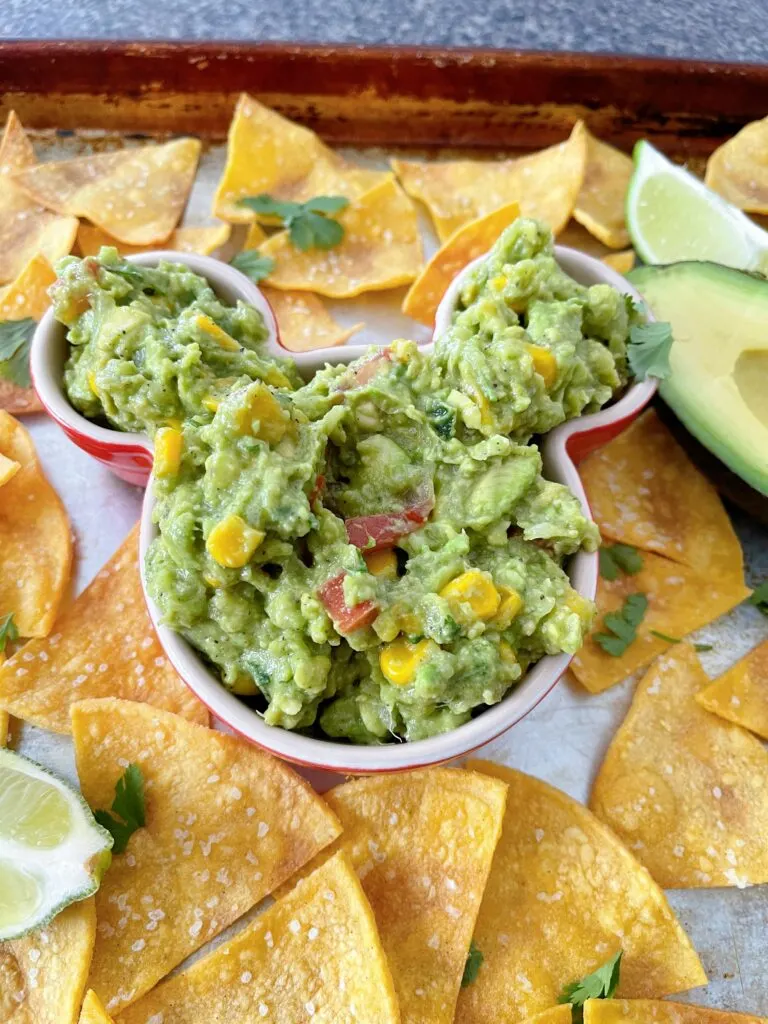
x=562, y=741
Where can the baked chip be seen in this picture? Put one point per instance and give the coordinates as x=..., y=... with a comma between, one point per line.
x=203, y=240
x=600, y=203
x=4, y=722
x=560, y=1014
x=622, y=262
x=658, y=1011
x=225, y=825
x=304, y=322
x=738, y=170
x=740, y=695
x=93, y=1011
x=685, y=790
x=26, y=296
x=563, y=896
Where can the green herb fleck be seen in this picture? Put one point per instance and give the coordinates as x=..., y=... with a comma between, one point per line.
x=618, y=558
x=665, y=637
x=648, y=350
x=622, y=625
x=310, y=225
x=8, y=630
x=702, y=647
x=253, y=264
x=759, y=597
x=128, y=805
x=15, y=339
x=472, y=966
x=601, y=984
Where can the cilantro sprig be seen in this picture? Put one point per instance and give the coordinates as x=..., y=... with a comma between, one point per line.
x=601, y=984
x=253, y=264
x=677, y=640
x=8, y=630
x=759, y=597
x=622, y=625
x=648, y=350
x=310, y=225
x=619, y=558
x=15, y=339
x=128, y=805
x=475, y=959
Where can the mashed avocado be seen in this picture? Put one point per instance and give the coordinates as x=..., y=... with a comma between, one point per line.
x=374, y=554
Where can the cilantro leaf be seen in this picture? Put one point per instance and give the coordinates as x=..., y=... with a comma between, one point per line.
x=601, y=984
x=702, y=647
x=759, y=598
x=622, y=625
x=309, y=224
x=635, y=607
x=15, y=339
x=253, y=264
x=648, y=350
x=129, y=805
x=665, y=637
x=619, y=558
x=475, y=959
x=8, y=630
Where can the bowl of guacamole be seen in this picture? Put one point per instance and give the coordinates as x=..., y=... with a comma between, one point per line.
x=370, y=569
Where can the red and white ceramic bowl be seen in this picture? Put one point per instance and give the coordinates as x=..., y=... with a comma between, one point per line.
x=130, y=457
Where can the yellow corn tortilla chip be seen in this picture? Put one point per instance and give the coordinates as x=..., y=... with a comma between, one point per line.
x=267, y=153
x=4, y=723
x=738, y=169
x=648, y=1011
x=685, y=790
x=544, y=184
x=563, y=896
x=256, y=235
x=135, y=195
x=35, y=538
x=600, y=203
x=304, y=322
x=422, y=844
x=204, y=240
x=42, y=976
x=740, y=695
x=313, y=955
x=381, y=249
x=622, y=262
x=226, y=824
x=18, y=401
x=26, y=228
x=93, y=1011
x=560, y=1014
x=8, y=469
x=465, y=244
x=104, y=645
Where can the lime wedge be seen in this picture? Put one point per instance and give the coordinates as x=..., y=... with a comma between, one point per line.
x=52, y=851
x=673, y=216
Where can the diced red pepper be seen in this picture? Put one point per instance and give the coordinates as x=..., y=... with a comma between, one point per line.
x=346, y=619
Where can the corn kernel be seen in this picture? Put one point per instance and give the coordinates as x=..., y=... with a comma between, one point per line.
x=168, y=444
x=476, y=590
x=91, y=376
x=508, y=656
x=8, y=469
x=262, y=406
x=400, y=660
x=232, y=542
x=510, y=606
x=245, y=686
x=210, y=403
x=174, y=422
x=498, y=283
x=219, y=335
x=544, y=363
x=382, y=563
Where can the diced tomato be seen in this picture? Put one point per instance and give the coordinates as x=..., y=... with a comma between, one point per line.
x=318, y=489
x=346, y=619
x=385, y=529
x=365, y=372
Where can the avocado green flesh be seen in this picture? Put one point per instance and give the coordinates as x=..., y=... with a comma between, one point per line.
x=719, y=382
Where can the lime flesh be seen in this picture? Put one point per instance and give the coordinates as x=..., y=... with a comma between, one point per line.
x=20, y=895
x=32, y=811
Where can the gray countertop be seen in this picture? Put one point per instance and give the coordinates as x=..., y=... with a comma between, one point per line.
x=731, y=30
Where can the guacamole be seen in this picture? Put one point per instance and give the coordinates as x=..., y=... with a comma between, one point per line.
x=374, y=555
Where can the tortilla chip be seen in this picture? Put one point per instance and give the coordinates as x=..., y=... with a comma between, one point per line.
x=315, y=954
x=563, y=896
x=741, y=694
x=381, y=249
x=35, y=538
x=738, y=169
x=4, y=724
x=465, y=244
x=267, y=153
x=226, y=824
x=203, y=240
x=136, y=195
x=43, y=975
x=622, y=262
x=25, y=227
x=18, y=401
x=647, y=1011
x=685, y=790
x=256, y=235
x=560, y=1014
x=600, y=204
x=93, y=1011
x=544, y=184
x=27, y=296
x=304, y=322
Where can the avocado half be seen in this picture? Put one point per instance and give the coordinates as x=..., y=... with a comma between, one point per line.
x=718, y=387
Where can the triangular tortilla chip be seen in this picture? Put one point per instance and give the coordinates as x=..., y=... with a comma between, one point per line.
x=104, y=645
x=422, y=844
x=741, y=694
x=26, y=228
x=267, y=153
x=465, y=244
x=27, y=296
x=35, y=538
x=256, y=235
x=42, y=976
x=93, y=1011
x=560, y=1014
x=685, y=790
x=136, y=195
x=544, y=184
x=226, y=824
x=204, y=240
x=600, y=204
x=563, y=896
x=314, y=954
x=381, y=249
x=738, y=170
x=622, y=262
x=304, y=322
x=657, y=1011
